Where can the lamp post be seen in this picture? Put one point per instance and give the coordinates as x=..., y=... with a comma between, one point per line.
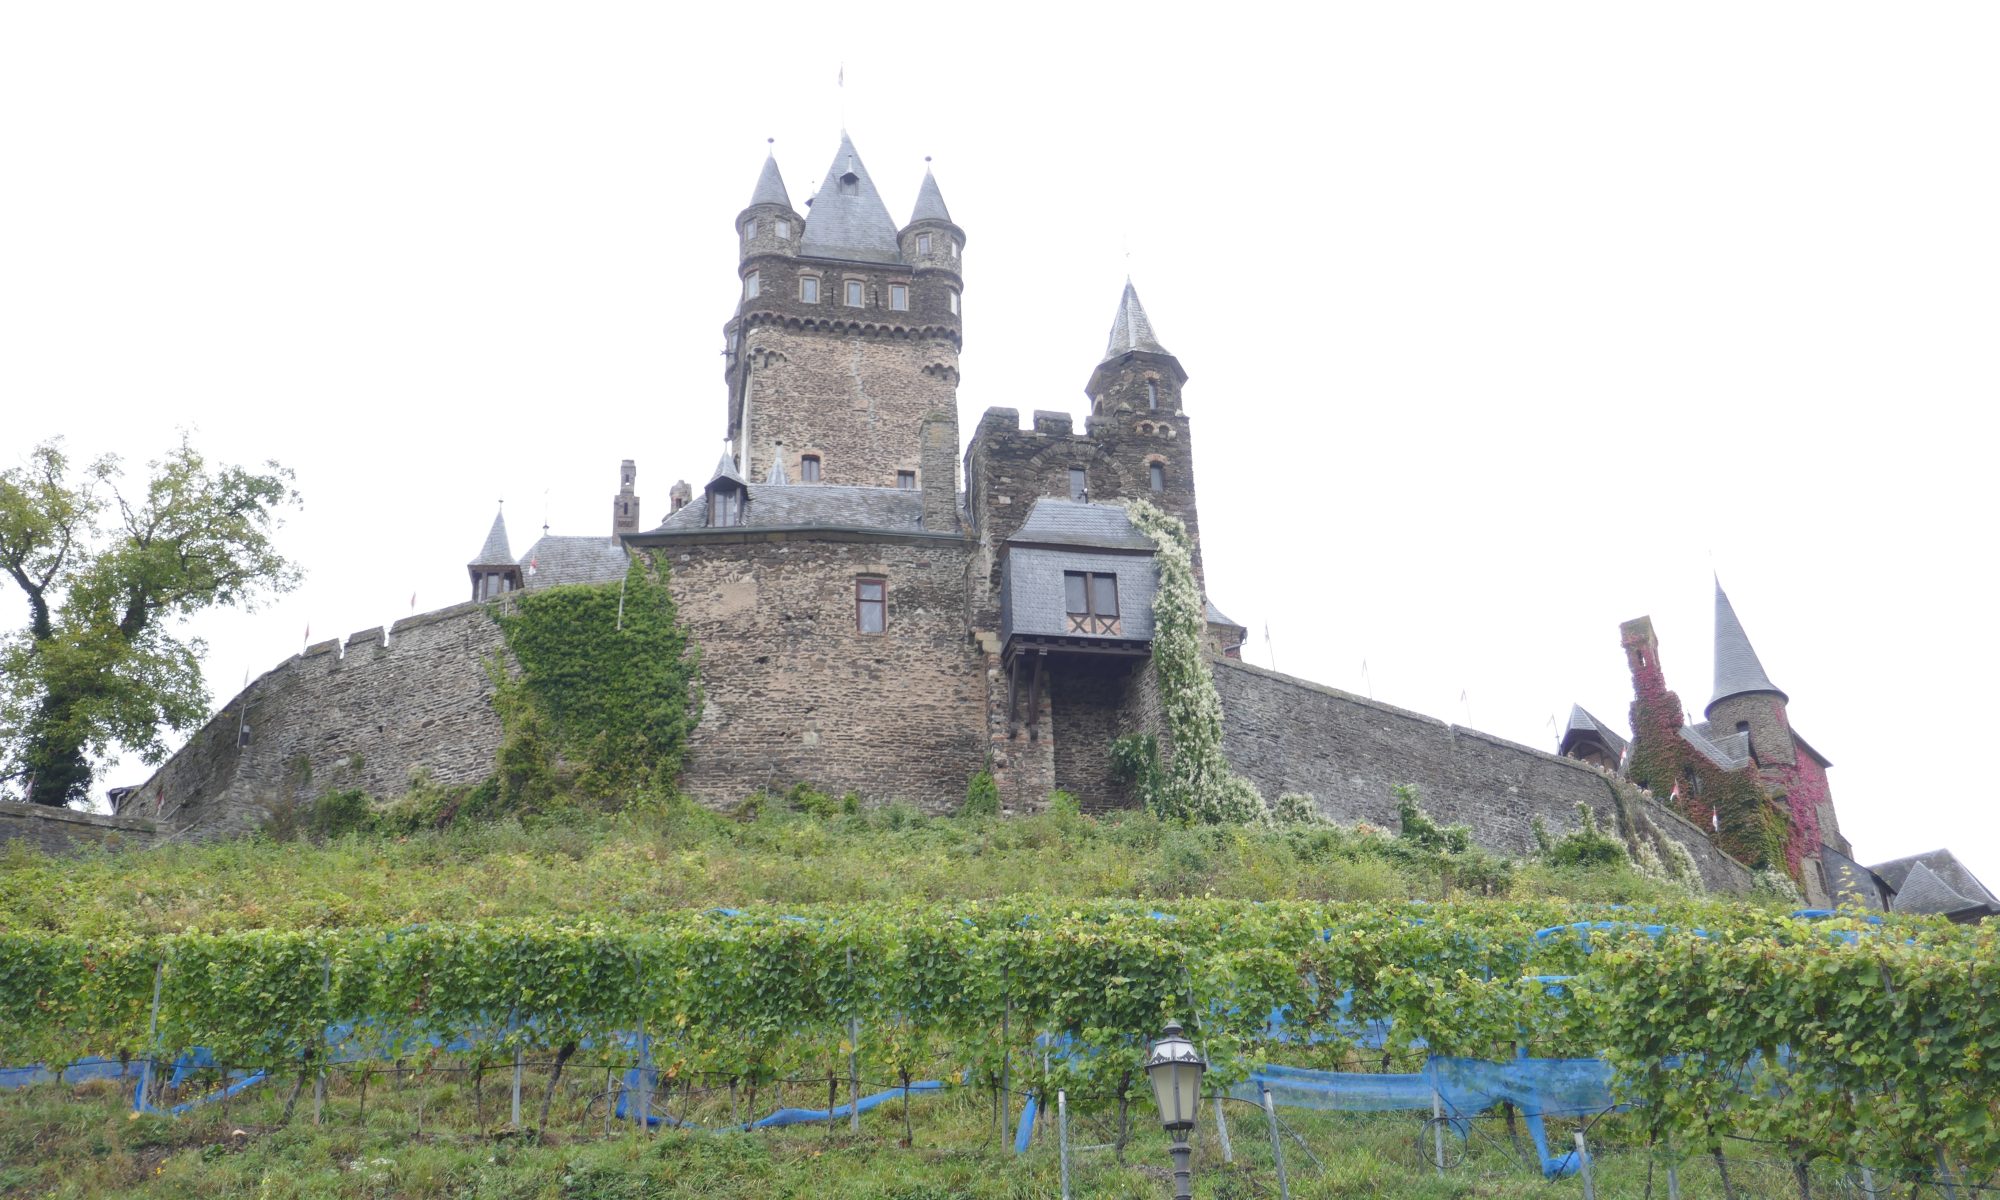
x=1175, y=1068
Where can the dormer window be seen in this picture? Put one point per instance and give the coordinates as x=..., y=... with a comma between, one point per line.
x=725, y=505
x=899, y=296
x=854, y=297
x=923, y=243
x=850, y=184
x=784, y=229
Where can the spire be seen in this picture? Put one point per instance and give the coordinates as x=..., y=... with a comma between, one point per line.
x=1132, y=330
x=770, y=186
x=847, y=218
x=495, y=552
x=1737, y=670
x=930, y=202
x=777, y=472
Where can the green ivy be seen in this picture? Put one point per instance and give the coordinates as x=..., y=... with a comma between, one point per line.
x=606, y=688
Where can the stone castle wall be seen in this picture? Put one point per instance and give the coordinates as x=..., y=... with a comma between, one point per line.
x=794, y=692
x=368, y=714
x=60, y=830
x=1348, y=752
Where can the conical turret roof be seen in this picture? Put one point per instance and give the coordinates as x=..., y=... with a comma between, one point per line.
x=1132, y=330
x=847, y=219
x=1737, y=670
x=495, y=552
x=770, y=185
x=930, y=202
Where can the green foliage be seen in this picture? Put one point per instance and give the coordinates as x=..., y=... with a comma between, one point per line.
x=1421, y=831
x=982, y=796
x=337, y=813
x=1064, y=805
x=1295, y=808
x=1135, y=763
x=606, y=691
x=99, y=662
x=1587, y=846
x=1197, y=784
x=805, y=798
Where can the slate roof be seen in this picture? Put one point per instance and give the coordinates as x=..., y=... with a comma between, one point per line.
x=1132, y=329
x=1080, y=523
x=726, y=469
x=1949, y=875
x=1850, y=882
x=770, y=185
x=1729, y=751
x=930, y=202
x=557, y=560
x=778, y=506
x=1215, y=617
x=1736, y=667
x=494, y=552
x=1924, y=891
x=1581, y=722
x=853, y=226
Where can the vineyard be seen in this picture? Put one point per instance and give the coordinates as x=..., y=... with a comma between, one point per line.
x=1834, y=1044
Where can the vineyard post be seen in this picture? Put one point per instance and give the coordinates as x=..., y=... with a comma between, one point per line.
x=1277, y=1145
x=1006, y=1053
x=1222, y=1130
x=1583, y=1165
x=1437, y=1125
x=853, y=1062
x=607, y=1099
x=1673, y=1175
x=1062, y=1139
x=517, y=1087
x=1867, y=1184
x=152, y=1039
x=325, y=989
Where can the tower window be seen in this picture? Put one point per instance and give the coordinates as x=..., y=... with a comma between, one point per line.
x=850, y=184
x=871, y=605
x=1091, y=599
x=906, y=480
x=923, y=243
x=899, y=296
x=1152, y=394
x=1079, y=484
x=784, y=229
x=854, y=293
x=750, y=286
x=1156, y=474
x=809, y=288
x=749, y=229
x=951, y=298
x=809, y=469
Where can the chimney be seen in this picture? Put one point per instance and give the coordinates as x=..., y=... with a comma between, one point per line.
x=625, y=505
x=678, y=496
x=938, y=467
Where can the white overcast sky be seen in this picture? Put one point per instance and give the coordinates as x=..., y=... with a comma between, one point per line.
x=1505, y=322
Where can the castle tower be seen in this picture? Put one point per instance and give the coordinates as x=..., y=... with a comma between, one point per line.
x=493, y=569
x=625, y=505
x=1745, y=700
x=1137, y=419
x=847, y=333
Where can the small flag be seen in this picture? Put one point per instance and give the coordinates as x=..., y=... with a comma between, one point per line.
x=413, y=602
x=842, y=81
x=533, y=565
x=309, y=633
x=1675, y=795
x=1715, y=821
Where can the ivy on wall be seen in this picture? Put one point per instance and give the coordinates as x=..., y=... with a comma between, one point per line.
x=1195, y=783
x=606, y=688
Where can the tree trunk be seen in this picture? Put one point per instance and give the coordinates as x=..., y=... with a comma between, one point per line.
x=1722, y=1169
x=1124, y=1117
x=549, y=1093
x=58, y=772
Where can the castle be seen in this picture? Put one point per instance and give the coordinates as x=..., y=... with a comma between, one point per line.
x=878, y=613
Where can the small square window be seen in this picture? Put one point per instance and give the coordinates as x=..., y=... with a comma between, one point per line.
x=923, y=243
x=809, y=468
x=906, y=480
x=1079, y=483
x=750, y=285
x=809, y=289
x=854, y=293
x=871, y=605
x=784, y=229
x=899, y=296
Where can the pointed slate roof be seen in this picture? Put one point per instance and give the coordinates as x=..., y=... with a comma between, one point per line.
x=770, y=185
x=1737, y=670
x=1582, y=723
x=495, y=553
x=850, y=222
x=777, y=472
x=726, y=469
x=930, y=202
x=1132, y=330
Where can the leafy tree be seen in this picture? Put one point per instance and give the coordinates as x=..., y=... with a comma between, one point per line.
x=107, y=577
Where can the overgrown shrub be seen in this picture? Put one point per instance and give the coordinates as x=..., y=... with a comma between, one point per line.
x=1588, y=845
x=1295, y=808
x=1421, y=831
x=804, y=797
x=342, y=812
x=982, y=796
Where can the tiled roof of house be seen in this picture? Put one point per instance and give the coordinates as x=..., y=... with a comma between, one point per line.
x=555, y=560
x=1942, y=865
x=1081, y=523
x=1581, y=722
x=772, y=506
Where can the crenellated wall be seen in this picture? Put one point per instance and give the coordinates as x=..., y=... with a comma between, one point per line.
x=365, y=714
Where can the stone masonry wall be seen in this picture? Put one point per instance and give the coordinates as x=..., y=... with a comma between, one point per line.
x=793, y=692
x=1288, y=735
x=61, y=830
x=365, y=716
x=857, y=400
